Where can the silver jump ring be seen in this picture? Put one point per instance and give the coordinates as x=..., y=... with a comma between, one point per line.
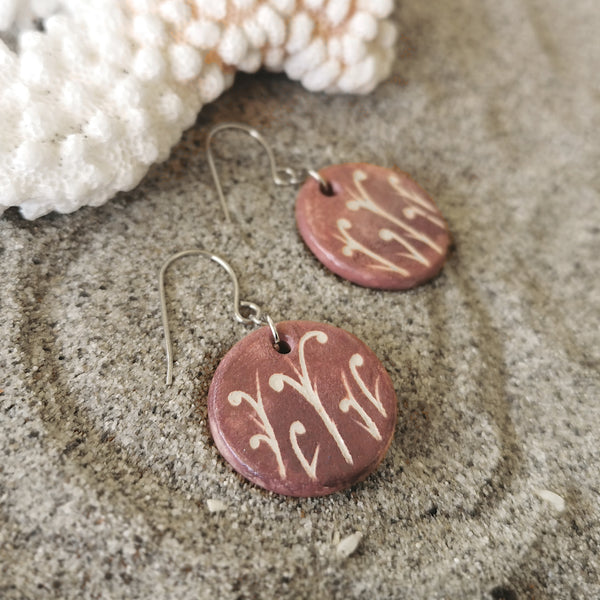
x=273, y=328
x=259, y=319
x=324, y=185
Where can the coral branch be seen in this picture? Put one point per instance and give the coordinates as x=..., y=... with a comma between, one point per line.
x=109, y=86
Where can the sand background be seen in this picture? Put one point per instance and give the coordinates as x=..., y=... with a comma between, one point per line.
x=106, y=473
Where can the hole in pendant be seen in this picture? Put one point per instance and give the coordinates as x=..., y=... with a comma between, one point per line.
x=326, y=189
x=282, y=347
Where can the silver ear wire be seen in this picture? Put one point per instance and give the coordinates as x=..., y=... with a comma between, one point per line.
x=280, y=175
x=255, y=312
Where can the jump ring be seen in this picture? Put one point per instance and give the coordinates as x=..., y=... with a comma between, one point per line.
x=273, y=328
x=324, y=185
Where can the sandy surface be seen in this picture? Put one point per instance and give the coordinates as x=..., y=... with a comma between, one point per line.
x=108, y=477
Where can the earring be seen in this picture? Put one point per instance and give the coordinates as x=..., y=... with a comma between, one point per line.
x=299, y=408
x=371, y=225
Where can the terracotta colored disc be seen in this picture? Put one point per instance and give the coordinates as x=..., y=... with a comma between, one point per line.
x=306, y=423
x=378, y=229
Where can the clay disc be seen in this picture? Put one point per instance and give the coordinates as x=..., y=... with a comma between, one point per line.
x=379, y=228
x=307, y=423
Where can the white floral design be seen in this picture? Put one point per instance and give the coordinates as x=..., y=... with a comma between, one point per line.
x=307, y=389
x=268, y=437
x=405, y=233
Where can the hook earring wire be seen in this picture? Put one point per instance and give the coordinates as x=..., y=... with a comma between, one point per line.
x=281, y=176
x=255, y=317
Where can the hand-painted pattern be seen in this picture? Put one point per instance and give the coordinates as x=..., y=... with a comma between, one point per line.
x=307, y=389
x=405, y=233
x=268, y=435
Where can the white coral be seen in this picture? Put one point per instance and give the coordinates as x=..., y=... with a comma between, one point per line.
x=110, y=85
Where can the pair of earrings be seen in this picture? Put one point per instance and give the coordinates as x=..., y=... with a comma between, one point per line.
x=303, y=408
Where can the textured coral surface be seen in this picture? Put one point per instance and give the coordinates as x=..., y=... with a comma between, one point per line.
x=93, y=93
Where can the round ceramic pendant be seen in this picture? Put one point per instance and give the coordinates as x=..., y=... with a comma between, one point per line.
x=378, y=228
x=306, y=423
